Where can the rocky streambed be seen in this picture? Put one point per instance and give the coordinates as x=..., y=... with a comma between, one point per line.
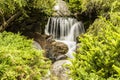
x=55, y=51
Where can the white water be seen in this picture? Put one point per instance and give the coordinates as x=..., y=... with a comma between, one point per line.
x=65, y=30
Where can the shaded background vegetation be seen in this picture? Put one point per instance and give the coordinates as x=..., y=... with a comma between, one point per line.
x=20, y=15
x=88, y=10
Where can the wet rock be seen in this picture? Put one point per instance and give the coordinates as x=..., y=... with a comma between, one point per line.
x=56, y=51
x=43, y=40
x=60, y=71
x=53, y=50
x=59, y=47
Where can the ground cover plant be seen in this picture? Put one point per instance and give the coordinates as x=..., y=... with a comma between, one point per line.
x=19, y=60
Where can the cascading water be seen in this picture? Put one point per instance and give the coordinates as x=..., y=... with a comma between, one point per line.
x=65, y=30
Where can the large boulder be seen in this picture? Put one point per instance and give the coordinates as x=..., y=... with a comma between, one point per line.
x=59, y=71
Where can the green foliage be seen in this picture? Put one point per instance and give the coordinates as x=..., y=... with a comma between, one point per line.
x=24, y=9
x=114, y=19
x=89, y=6
x=89, y=10
x=15, y=5
x=117, y=69
x=45, y=6
x=19, y=60
x=74, y=5
x=99, y=52
x=101, y=6
x=115, y=7
x=11, y=6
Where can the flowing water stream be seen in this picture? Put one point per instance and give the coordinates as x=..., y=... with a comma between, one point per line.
x=66, y=30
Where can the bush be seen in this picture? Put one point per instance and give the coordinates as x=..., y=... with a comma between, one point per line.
x=93, y=6
x=99, y=52
x=75, y=5
x=19, y=60
x=89, y=10
x=114, y=18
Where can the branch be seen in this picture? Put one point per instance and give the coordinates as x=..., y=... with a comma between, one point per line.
x=6, y=23
x=2, y=15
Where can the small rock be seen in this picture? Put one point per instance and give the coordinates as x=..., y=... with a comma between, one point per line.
x=36, y=45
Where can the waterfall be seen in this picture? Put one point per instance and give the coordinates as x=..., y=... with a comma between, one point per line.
x=65, y=30
x=75, y=31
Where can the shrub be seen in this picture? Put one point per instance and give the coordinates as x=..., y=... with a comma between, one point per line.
x=75, y=6
x=114, y=18
x=19, y=60
x=89, y=6
x=99, y=52
x=89, y=10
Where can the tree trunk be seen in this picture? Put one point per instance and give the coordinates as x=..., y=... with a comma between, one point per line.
x=6, y=23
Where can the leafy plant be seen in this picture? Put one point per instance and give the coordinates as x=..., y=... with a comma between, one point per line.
x=89, y=10
x=11, y=10
x=98, y=55
x=89, y=6
x=19, y=60
x=74, y=5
